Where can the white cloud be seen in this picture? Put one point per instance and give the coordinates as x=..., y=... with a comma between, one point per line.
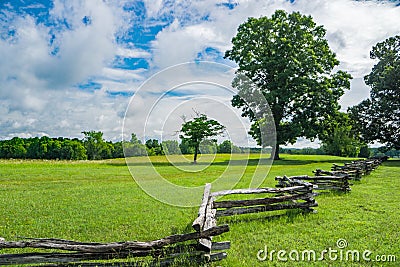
x=156, y=109
x=353, y=27
x=38, y=92
x=28, y=66
x=132, y=53
x=122, y=74
x=359, y=91
x=153, y=7
x=39, y=73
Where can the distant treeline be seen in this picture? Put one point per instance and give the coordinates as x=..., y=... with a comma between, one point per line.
x=364, y=152
x=93, y=147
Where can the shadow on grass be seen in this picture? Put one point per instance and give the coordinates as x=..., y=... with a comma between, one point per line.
x=392, y=163
x=238, y=162
x=234, y=162
x=332, y=193
x=289, y=216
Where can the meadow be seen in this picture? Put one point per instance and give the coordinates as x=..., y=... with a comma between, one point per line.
x=99, y=201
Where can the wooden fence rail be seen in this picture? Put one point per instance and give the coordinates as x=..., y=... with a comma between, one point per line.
x=336, y=170
x=321, y=182
x=160, y=249
x=356, y=169
x=299, y=196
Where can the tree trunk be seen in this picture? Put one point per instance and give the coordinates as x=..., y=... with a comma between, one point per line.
x=275, y=152
x=196, y=151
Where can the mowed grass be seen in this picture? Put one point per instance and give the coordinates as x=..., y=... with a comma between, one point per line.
x=100, y=202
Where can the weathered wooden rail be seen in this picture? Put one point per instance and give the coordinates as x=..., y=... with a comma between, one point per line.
x=162, y=249
x=300, y=196
x=356, y=169
x=354, y=173
x=321, y=182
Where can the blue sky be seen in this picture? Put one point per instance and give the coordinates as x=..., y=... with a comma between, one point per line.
x=70, y=66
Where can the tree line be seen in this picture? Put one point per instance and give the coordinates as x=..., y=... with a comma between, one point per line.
x=94, y=147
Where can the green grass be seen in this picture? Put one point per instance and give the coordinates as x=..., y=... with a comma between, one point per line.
x=100, y=201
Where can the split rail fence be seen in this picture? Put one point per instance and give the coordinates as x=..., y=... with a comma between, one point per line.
x=165, y=251
x=356, y=169
x=338, y=178
x=321, y=182
x=299, y=196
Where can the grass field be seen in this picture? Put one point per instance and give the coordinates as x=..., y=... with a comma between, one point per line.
x=100, y=201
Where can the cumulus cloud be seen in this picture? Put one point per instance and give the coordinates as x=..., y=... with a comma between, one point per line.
x=353, y=27
x=43, y=63
x=29, y=65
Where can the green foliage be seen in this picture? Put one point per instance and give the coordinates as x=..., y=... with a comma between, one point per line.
x=134, y=147
x=171, y=147
x=339, y=138
x=200, y=128
x=302, y=151
x=154, y=148
x=208, y=147
x=382, y=151
x=365, y=152
x=227, y=147
x=340, y=143
x=186, y=148
x=42, y=148
x=288, y=58
x=14, y=148
x=117, y=150
x=95, y=145
x=378, y=117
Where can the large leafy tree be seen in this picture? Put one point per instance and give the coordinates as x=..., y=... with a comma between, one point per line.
x=200, y=128
x=289, y=60
x=378, y=118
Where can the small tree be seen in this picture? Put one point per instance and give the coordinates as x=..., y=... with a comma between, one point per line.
x=94, y=144
x=198, y=129
x=341, y=143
